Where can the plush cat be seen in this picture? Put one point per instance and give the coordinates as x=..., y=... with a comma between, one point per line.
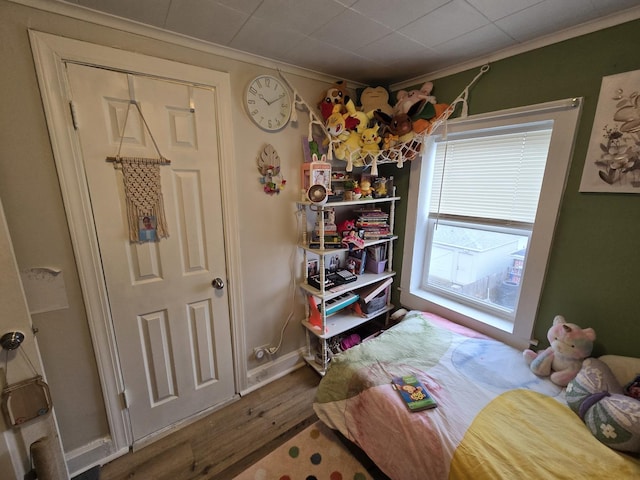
x=562, y=361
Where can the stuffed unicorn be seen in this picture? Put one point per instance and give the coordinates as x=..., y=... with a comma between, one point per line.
x=562, y=361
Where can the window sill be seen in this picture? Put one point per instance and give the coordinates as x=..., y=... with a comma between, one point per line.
x=483, y=322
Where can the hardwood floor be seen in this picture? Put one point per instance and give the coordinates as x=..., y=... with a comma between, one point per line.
x=226, y=442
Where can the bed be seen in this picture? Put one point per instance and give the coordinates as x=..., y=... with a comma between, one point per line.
x=494, y=420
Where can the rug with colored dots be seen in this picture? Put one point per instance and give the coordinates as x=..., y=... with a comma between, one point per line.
x=316, y=453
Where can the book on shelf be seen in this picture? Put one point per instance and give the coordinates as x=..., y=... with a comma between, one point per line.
x=377, y=253
x=374, y=224
x=414, y=394
x=377, y=234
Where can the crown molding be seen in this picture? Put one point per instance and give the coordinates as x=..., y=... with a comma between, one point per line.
x=573, y=32
x=79, y=12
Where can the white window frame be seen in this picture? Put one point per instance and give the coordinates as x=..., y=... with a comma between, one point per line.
x=481, y=225
x=565, y=115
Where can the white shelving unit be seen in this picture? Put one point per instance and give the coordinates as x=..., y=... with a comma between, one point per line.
x=344, y=320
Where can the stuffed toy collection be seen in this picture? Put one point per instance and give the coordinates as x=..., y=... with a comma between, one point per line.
x=365, y=130
x=569, y=346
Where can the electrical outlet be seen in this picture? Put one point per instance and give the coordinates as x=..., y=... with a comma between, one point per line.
x=261, y=352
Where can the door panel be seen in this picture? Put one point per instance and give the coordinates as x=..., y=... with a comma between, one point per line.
x=172, y=328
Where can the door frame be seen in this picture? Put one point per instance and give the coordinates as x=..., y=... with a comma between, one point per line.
x=50, y=53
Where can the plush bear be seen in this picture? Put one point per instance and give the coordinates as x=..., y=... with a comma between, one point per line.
x=569, y=346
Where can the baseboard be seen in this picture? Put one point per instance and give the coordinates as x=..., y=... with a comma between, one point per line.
x=95, y=453
x=267, y=373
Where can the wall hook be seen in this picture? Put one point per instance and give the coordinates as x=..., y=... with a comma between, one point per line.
x=11, y=340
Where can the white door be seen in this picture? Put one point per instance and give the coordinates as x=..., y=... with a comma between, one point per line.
x=172, y=327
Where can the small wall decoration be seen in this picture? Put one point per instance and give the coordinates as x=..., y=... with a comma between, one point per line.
x=272, y=180
x=613, y=157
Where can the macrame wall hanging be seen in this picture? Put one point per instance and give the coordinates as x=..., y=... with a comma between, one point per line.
x=143, y=190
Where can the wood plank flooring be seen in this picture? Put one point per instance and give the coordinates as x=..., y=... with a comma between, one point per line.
x=229, y=440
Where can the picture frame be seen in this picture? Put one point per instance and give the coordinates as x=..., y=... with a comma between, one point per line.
x=147, y=228
x=612, y=164
x=313, y=267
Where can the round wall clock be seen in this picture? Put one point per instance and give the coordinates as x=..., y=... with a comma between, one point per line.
x=268, y=103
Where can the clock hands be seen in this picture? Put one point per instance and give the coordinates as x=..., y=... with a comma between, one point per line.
x=275, y=100
x=261, y=97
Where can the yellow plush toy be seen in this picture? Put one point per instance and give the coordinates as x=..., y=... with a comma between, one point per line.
x=365, y=188
x=370, y=140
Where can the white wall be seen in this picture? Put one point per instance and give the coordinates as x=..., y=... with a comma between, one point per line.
x=14, y=443
x=37, y=222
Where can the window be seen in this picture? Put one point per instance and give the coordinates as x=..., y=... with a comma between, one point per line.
x=483, y=203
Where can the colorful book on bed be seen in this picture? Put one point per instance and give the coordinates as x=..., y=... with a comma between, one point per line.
x=413, y=393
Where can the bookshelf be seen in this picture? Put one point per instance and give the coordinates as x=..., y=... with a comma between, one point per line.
x=373, y=220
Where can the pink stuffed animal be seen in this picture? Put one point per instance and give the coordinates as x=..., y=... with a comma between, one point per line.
x=562, y=361
x=406, y=99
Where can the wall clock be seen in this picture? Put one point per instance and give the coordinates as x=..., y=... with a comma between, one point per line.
x=268, y=103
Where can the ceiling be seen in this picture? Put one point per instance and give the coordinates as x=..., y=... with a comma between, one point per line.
x=374, y=42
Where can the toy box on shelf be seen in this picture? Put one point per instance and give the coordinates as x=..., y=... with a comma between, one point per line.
x=375, y=298
x=315, y=173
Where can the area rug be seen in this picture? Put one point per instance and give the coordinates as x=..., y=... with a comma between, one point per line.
x=316, y=453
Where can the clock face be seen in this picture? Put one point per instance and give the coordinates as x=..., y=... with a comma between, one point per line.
x=268, y=103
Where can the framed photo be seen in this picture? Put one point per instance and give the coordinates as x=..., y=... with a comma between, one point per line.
x=613, y=158
x=147, y=228
x=312, y=268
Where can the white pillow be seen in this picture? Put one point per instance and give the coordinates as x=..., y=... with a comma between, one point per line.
x=625, y=369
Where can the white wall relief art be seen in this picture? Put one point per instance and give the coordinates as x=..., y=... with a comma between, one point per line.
x=613, y=157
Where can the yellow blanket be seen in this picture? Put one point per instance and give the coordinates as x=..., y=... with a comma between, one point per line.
x=546, y=441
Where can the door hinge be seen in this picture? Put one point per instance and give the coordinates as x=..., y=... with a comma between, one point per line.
x=124, y=399
x=72, y=109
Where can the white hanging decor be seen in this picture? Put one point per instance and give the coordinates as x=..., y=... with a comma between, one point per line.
x=143, y=189
x=398, y=153
x=271, y=180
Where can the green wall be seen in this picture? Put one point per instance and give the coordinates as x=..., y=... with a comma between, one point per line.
x=595, y=261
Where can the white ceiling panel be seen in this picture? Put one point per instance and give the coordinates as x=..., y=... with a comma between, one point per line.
x=452, y=20
x=396, y=13
x=496, y=9
x=370, y=41
x=488, y=38
x=266, y=39
x=392, y=49
x=301, y=15
x=546, y=17
x=216, y=23
x=350, y=31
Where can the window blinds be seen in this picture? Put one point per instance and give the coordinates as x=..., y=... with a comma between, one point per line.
x=492, y=176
